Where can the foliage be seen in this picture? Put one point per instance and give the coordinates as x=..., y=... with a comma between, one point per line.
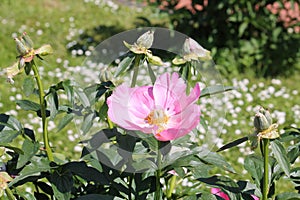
x=245, y=36
x=117, y=163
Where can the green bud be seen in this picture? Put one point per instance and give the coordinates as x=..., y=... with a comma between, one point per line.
x=21, y=48
x=27, y=40
x=105, y=75
x=267, y=114
x=260, y=122
x=146, y=40
x=155, y=60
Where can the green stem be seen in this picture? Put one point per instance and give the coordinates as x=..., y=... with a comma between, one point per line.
x=158, y=172
x=43, y=112
x=130, y=186
x=135, y=69
x=9, y=194
x=266, y=168
x=172, y=184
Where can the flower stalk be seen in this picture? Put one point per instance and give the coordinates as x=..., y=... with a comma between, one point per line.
x=9, y=194
x=265, y=188
x=43, y=111
x=158, y=172
x=172, y=184
x=135, y=70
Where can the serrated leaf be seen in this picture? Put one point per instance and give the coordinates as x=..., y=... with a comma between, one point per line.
x=64, y=121
x=216, y=89
x=28, y=105
x=123, y=65
x=30, y=149
x=28, y=86
x=281, y=156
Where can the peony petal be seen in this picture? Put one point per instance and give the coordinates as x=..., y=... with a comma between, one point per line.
x=128, y=107
x=167, y=91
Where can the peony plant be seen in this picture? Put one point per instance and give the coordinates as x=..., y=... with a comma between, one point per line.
x=144, y=142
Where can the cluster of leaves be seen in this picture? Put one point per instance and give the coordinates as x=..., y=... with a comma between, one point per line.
x=245, y=36
x=117, y=163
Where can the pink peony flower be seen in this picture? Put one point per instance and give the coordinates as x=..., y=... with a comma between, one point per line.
x=164, y=109
x=218, y=192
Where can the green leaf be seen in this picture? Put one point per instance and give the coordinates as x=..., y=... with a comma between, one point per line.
x=60, y=195
x=28, y=86
x=123, y=65
x=233, y=144
x=64, y=121
x=7, y=136
x=82, y=97
x=243, y=27
x=287, y=196
x=30, y=149
x=37, y=165
x=63, y=180
x=69, y=90
x=96, y=196
x=216, y=89
x=53, y=103
x=88, y=173
x=254, y=165
x=15, y=149
x=87, y=122
x=214, y=159
x=28, y=105
x=281, y=156
x=10, y=122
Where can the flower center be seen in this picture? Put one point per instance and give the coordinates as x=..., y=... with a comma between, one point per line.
x=158, y=118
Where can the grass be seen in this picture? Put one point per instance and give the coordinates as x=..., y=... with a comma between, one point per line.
x=60, y=23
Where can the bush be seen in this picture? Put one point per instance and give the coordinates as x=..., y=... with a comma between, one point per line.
x=246, y=34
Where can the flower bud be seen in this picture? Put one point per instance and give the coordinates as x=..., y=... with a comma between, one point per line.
x=21, y=48
x=267, y=114
x=146, y=39
x=194, y=51
x=260, y=122
x=155, y=60
x=105, y=75
x=27, y=40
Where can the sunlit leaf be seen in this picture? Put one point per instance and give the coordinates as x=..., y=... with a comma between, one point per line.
x=30, y=149
x=281, y=156
x=28, y=105
x=28, y=86
x=64, y=121
x=216, y=89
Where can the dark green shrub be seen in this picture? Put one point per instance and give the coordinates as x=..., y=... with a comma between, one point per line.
x=244, y=35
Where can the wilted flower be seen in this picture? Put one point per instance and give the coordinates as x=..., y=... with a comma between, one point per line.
x=192, y=51
x=4, y=179
x=218, y=192
x=164, y=109
x=142, y=46
x=26, y=52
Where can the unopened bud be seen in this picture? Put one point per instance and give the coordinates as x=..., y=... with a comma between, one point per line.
x=260, y=122
x=27, y=40
x=21, y=48
x=105, y=75
x=267, y=114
